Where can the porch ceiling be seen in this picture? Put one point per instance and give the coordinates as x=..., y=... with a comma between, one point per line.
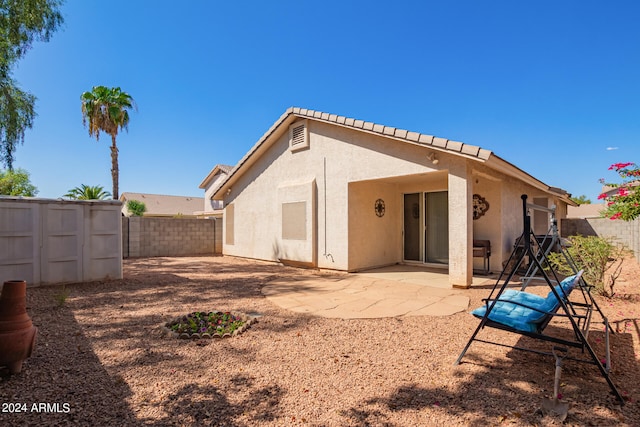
x=409, y=179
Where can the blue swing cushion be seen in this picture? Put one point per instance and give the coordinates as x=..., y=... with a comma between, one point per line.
x=523, y=318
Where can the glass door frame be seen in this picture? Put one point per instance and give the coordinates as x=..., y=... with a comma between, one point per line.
x=422, y=231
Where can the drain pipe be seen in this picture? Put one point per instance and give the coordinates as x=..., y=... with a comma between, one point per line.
x=324, y=184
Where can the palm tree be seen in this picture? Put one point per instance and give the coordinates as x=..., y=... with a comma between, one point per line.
x=88, y=192
x=107, y=110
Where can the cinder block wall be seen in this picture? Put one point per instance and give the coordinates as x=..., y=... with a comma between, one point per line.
x=625, y=232
x=149, y=237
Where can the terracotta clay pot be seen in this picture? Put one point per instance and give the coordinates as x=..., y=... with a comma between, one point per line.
x=17, y=333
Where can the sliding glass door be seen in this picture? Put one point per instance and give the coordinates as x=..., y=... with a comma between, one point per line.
x=412, y=228
x=436, y=230
x=426, y=227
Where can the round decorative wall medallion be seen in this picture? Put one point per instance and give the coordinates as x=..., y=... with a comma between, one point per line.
x=379, y=208
x=480, y=206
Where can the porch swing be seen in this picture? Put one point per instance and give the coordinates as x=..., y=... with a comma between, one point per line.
x=529, y=314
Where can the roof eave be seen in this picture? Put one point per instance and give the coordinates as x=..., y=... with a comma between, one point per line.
x=497, y=163
x=293, y=113
x=249, y=158
x=217, y=168
x=438, y=144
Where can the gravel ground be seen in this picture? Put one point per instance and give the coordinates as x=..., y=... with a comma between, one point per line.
x=102, y=358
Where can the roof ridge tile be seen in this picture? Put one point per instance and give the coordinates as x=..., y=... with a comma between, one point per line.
x=454, y=146
x=439, y=142
x=425, y=139
x=388, y=130
x=420, y=138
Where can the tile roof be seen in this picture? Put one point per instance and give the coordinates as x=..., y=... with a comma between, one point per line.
x=388, y=131
x=158, y=204
x=587, y=210
x=434, y=142
x=226, y=169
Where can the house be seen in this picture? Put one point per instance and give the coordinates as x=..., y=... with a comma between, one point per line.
x=213, y=208
x=327, y=191
x=595, y=210
x=164, y=206
x=586, y=210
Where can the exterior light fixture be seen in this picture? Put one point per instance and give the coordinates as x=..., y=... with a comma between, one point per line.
x=432, y=156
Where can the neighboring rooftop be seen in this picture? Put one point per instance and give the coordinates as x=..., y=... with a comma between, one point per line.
x=587, y=210
x=225, y=169
x=164, y=206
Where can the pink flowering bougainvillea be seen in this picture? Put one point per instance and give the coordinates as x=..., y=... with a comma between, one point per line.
x=624, y=203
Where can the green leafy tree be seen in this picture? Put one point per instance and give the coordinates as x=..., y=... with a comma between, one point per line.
x=107, y=110
x=16, y=116
x=624, y=203
x=136, y=208
x=22, y=22
x=88, y=192
x=581, y=200
x=16, y=183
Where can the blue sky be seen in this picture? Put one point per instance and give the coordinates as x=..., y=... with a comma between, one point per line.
x=550, y=86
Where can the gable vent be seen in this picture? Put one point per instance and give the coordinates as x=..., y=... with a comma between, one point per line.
x=298, y=136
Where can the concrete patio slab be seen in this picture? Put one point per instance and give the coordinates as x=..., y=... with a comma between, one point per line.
x=387, y=292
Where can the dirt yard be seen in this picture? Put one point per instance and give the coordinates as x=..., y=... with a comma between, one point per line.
x=103, y=358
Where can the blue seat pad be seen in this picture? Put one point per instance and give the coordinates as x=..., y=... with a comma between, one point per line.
x=523, y=318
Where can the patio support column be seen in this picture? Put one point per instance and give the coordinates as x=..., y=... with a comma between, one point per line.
x=460, y=225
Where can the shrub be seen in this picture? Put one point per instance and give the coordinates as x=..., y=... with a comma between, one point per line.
x=136, y=208
x=597, y=256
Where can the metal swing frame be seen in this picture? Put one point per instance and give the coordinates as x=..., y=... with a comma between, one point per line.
x=579, y=314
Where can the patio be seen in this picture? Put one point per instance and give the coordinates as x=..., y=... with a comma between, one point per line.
x=397, y=290
x=104, y=352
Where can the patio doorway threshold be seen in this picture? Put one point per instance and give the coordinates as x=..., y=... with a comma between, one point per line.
x=417, y=275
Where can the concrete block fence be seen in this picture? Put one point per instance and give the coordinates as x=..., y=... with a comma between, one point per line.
x=149, y=237
x=625, y=232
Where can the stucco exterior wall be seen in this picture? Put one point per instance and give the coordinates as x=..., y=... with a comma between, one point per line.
x=490, y=225
x=460, y=226
x=502, y=224
x=257, y=222
x=512, y=221
x=211, y=205
x=336, y=157
x=339, y=176
x=295, y=239
x=374, y=240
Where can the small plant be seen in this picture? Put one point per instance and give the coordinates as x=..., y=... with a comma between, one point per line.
x=136, y=208
x=214, y=323
x=61, y=296
x=596, y=256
